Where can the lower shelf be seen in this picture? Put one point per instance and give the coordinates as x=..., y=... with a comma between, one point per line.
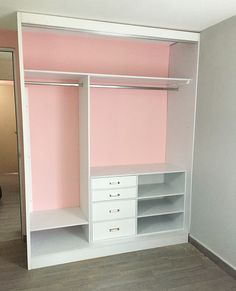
x=56, y=218
x=161, y=223
x=56, y=241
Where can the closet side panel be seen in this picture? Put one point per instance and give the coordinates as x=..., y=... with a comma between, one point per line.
x=181, y=114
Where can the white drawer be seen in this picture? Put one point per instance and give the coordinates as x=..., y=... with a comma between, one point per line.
x=113, y=229
x=114, y=194
x=113, y=210
x=114, y=182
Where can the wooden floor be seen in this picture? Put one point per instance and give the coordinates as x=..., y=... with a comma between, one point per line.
x=180, y=267
x=10, y=216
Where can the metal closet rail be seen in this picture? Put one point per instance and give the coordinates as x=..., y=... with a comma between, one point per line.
x=134, y=87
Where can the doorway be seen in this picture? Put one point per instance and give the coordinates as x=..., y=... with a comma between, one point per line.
x=10, y=205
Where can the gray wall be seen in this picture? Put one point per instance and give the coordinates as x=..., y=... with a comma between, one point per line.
x=213, y=221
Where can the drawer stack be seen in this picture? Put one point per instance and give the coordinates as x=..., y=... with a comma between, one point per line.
x=113, y=207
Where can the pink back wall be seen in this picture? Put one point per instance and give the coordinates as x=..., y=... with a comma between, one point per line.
x=54, y=134
x=82, y=53
x=127, y=126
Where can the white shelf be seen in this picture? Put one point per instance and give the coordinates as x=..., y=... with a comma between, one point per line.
x=163, y=223
x=102, y=79
x=145, y=169
x=53, y=75
x=138, y=80
x=57, y=241
x=162, y=206
x=56, y=218
x=150, y=191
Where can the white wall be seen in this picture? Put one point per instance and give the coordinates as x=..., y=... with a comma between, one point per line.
x=214, y=178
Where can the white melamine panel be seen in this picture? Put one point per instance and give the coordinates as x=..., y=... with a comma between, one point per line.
x=113, y=229
x=145, y=81
x=114, y=210
x=107, y=28
x=114, y=194
x=56, y=218
x=144, y=169
x=155, y=224
x=26, y=153
x=57, y=241
x=165, y=205
x=114, y=182
x=181, y=114
x=103, y=79
x=47, y=75
x=84, y=146
x=61, y=255
x=150, y=191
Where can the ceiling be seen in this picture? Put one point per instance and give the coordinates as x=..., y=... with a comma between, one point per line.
x=192, y=15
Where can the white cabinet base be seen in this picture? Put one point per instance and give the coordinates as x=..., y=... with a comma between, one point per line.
x=108, y=248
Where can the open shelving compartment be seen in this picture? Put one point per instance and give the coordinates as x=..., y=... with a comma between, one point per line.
x=160, y=223
x=58, y=241
x=59, y=199
x=161, y=202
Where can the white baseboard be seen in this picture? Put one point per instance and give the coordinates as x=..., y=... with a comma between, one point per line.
x=212, y=254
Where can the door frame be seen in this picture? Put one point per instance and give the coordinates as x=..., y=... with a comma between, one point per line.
x=18, y=136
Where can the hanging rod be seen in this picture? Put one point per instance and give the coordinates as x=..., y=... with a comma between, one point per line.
x=134, y=87
x=54, y=84
x=103, y=86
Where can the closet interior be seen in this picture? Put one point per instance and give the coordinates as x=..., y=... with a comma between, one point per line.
x=108, y=130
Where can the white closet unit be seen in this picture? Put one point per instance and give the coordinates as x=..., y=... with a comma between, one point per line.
x=108, y=136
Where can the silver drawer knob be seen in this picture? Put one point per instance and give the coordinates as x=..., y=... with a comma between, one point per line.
x=114, y=210
x=115, y=195
x=114, y=183
x=114, y=229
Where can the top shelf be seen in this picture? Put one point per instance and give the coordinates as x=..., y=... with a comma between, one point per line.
x=162, y=168
x=106, y=79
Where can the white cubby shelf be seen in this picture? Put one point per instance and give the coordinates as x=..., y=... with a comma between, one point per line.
x=162, y=223
x=58, y=241
x=56, y=218
x=151, y=191
x=167, y=205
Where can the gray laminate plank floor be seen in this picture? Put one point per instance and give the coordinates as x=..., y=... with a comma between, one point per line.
x=180, y=267
x=10, y=227
x=177, y=268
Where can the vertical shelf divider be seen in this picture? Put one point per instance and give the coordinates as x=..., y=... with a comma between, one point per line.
x=84, y=148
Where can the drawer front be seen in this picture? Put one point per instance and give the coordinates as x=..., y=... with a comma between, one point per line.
x=113, y=229
x=113, y=210
x=114, y=194
x=114, y=182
